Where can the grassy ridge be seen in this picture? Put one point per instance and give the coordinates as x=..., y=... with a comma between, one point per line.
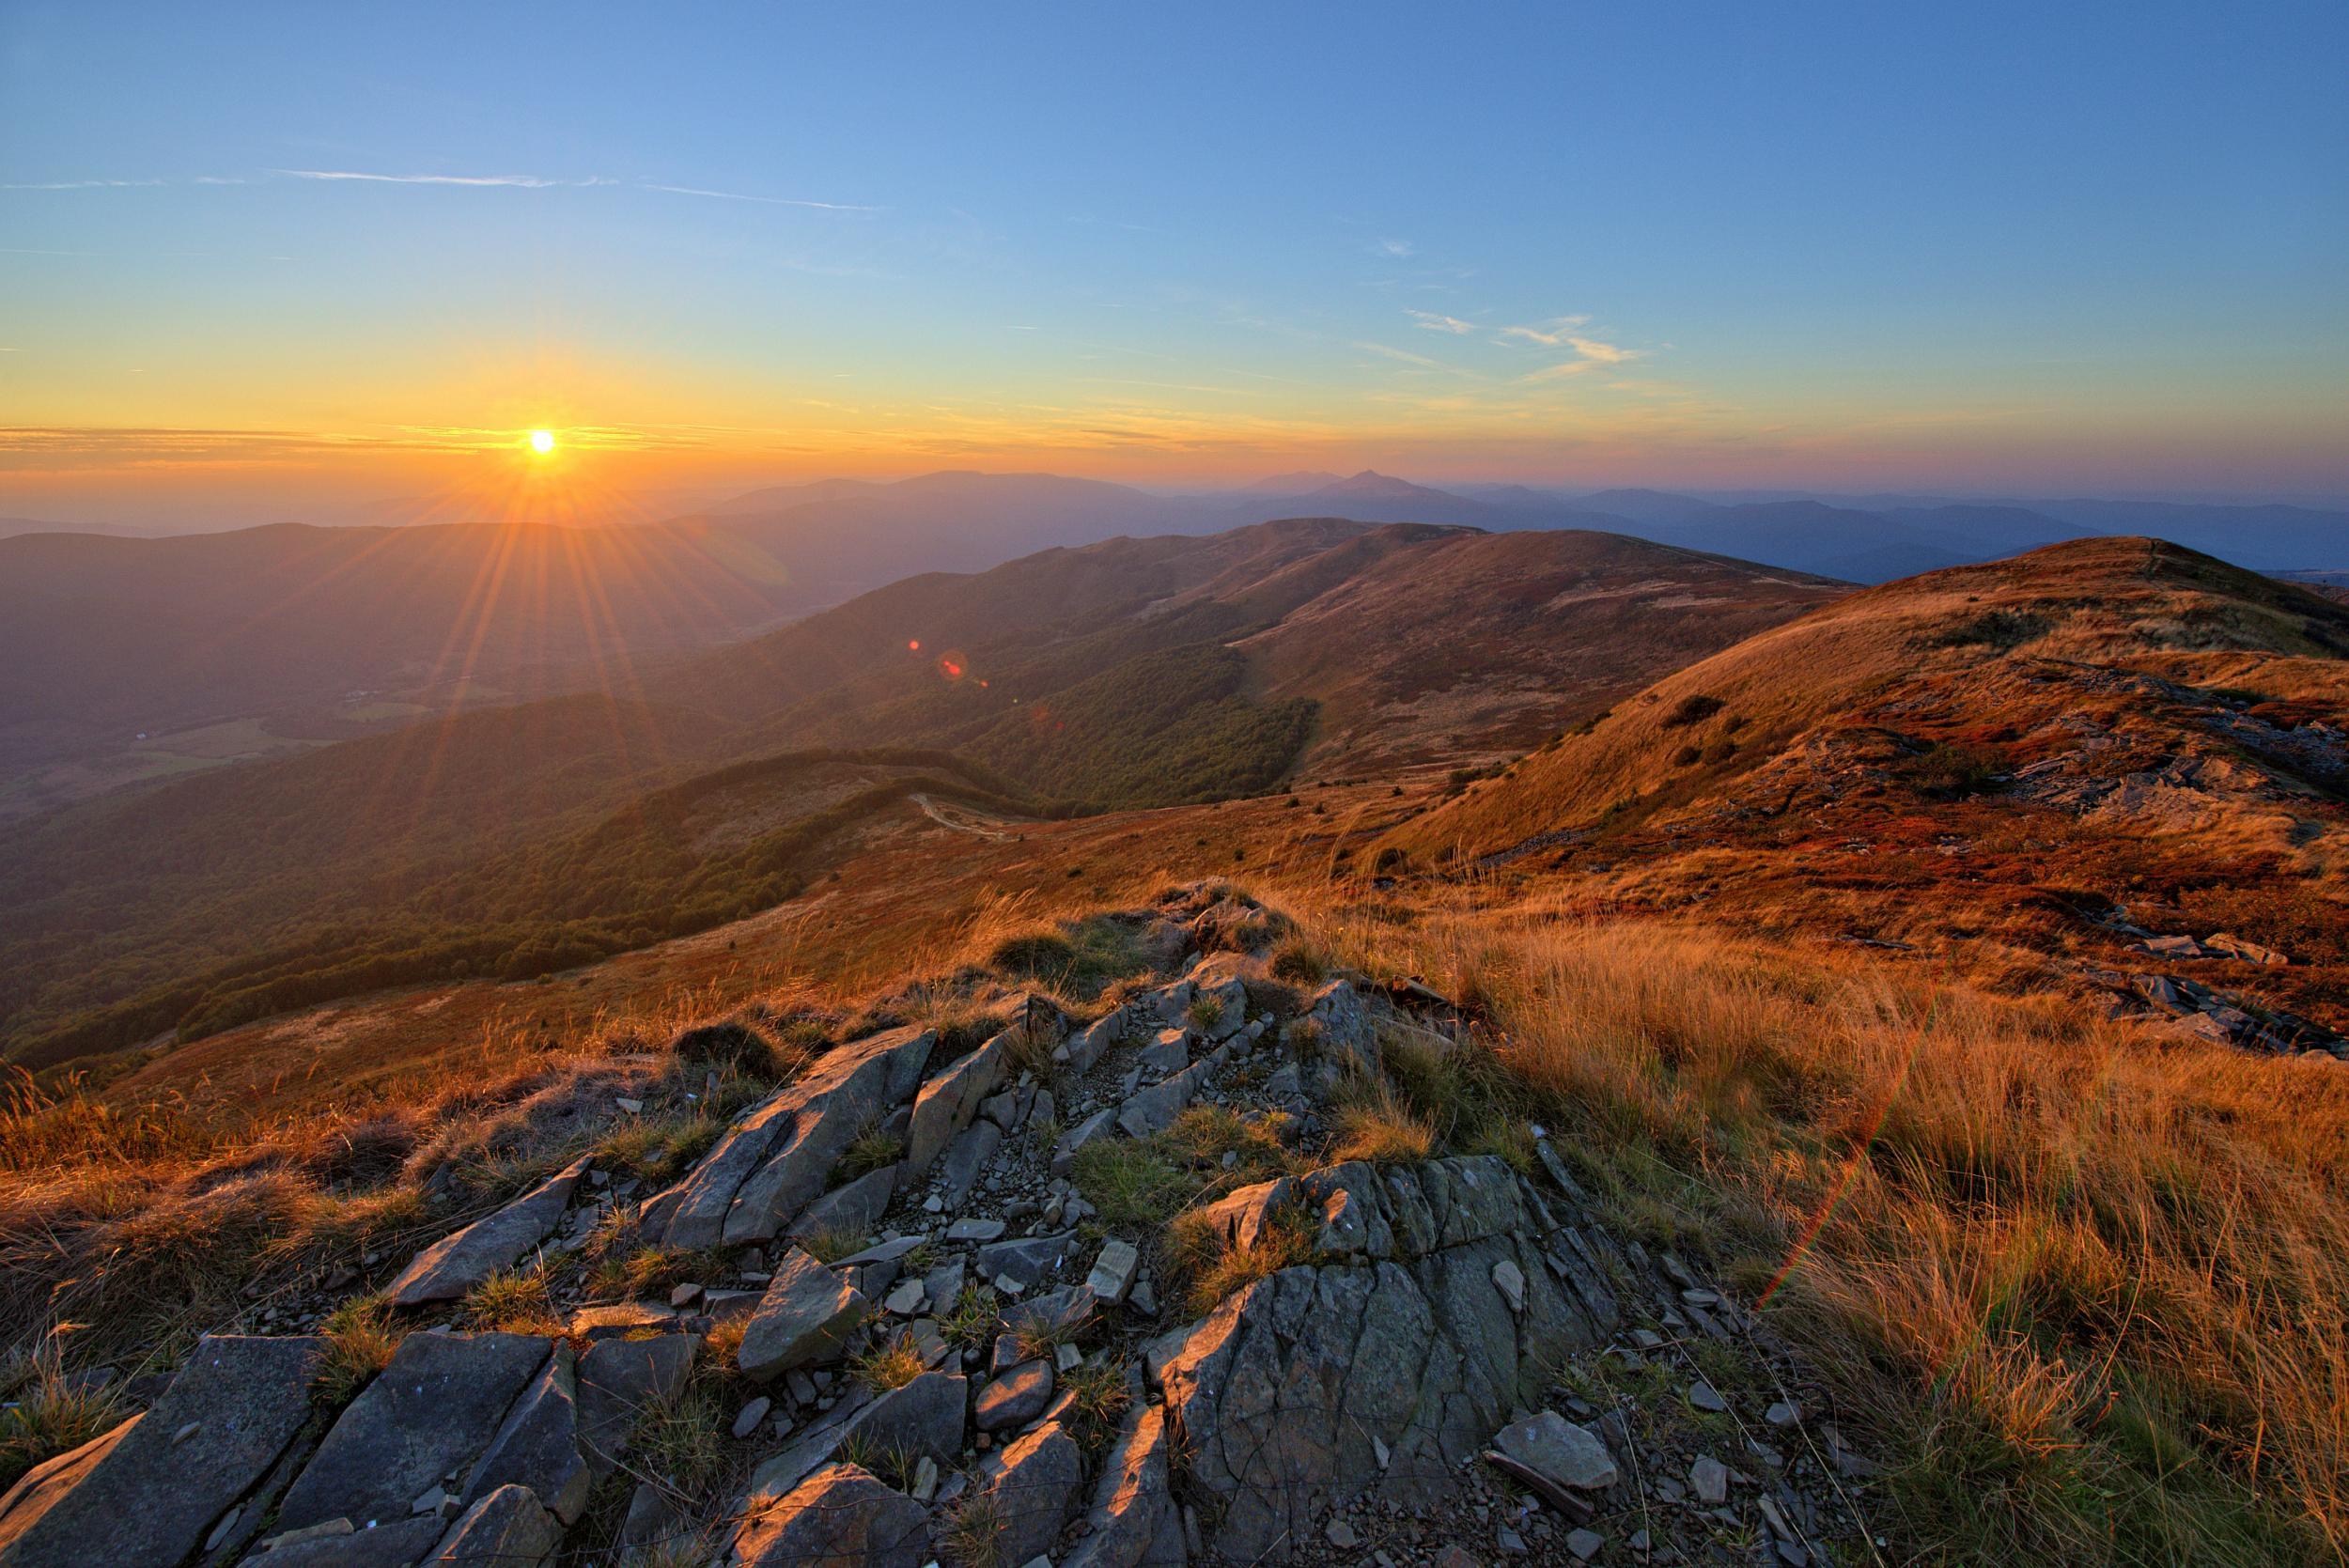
x=634, y=879
x=2086, y=1285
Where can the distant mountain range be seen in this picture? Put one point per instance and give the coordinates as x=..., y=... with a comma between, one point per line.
x=1890, y=537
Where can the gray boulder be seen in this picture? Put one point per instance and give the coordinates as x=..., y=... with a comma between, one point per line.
x=427, y=1415
x=1153, y=1109
x=1014, y=1399
x=965, y=1158
x=388, y=1544
x=454, y=1264
x=151, y=1488
x=1554, y=1447
x=507, y=1529
x=948, y=1102
x=840, y=1514
x=805, y=1314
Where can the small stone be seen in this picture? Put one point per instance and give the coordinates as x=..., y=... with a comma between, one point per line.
x=1781, y=1414
x=1708, y=1478
x=1584, y=1543
x=223, y=1529
x=1114, y=1270
x=975, y=1229
x=629, y=1105
x=1509, y=1541
x=1510, y=1280
x=1455, y=1557
x=685, y=1295
x=1341, y=1535
x=1703, y=1396
x=1067, y=1357
x=1557, y=1449
x=908, y=1298
x=746, y=1421
x=934, y=1204
x=924, y=1485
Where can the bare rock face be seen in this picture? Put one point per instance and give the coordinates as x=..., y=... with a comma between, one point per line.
x=778, y=1156
x=842, y=1515
x=151, y=1488
x=1343, y=1024
x=453, y=1266
x=427, y=1415
x=1035, y=1480
x=538, y=1447
x=1395, y=1337
x=1134, y=1522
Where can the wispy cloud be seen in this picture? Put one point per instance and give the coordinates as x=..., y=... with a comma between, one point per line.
x=1550, y=333
x=81, y=185
x=1436, y=322
x=1419, y=362
x=1391, y=247
x=771, y=201
x=526, y=181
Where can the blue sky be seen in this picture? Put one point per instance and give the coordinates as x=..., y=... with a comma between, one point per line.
x=1982, y=248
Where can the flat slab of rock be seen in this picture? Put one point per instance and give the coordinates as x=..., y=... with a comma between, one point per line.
x=807, y=1311
x=1113, y=1270
x=1551, y=1446
x=152, y=1492
x=840, y=1514
x=427, y=1415
x=1026, y=1260
x=853, y=1210
x=392, y=1543
x=453, y=1266
x=1267, y=1390
x=1101, y=1124
x=617, y=1379
x=538, y=1445
x=1035, y=1480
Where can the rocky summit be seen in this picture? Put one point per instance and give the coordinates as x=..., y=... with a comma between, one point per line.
x=942, y=1297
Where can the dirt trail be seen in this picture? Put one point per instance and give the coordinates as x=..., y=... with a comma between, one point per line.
x=962, y=819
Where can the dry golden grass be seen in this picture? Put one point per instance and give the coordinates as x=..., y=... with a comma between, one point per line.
x=2092, y=1283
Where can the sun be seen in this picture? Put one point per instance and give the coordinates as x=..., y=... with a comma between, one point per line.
x=542, y=441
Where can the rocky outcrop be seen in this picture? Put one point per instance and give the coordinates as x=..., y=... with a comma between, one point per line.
x=840, y=1514
x=1399, y=1355
x=156, y=1487
x=452, y=1266
x=1396, y=1340
x=431, y=1412
x=779, y=1155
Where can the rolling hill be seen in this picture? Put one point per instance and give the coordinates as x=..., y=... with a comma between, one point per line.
x=1132, y=673
x=2095, y=738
